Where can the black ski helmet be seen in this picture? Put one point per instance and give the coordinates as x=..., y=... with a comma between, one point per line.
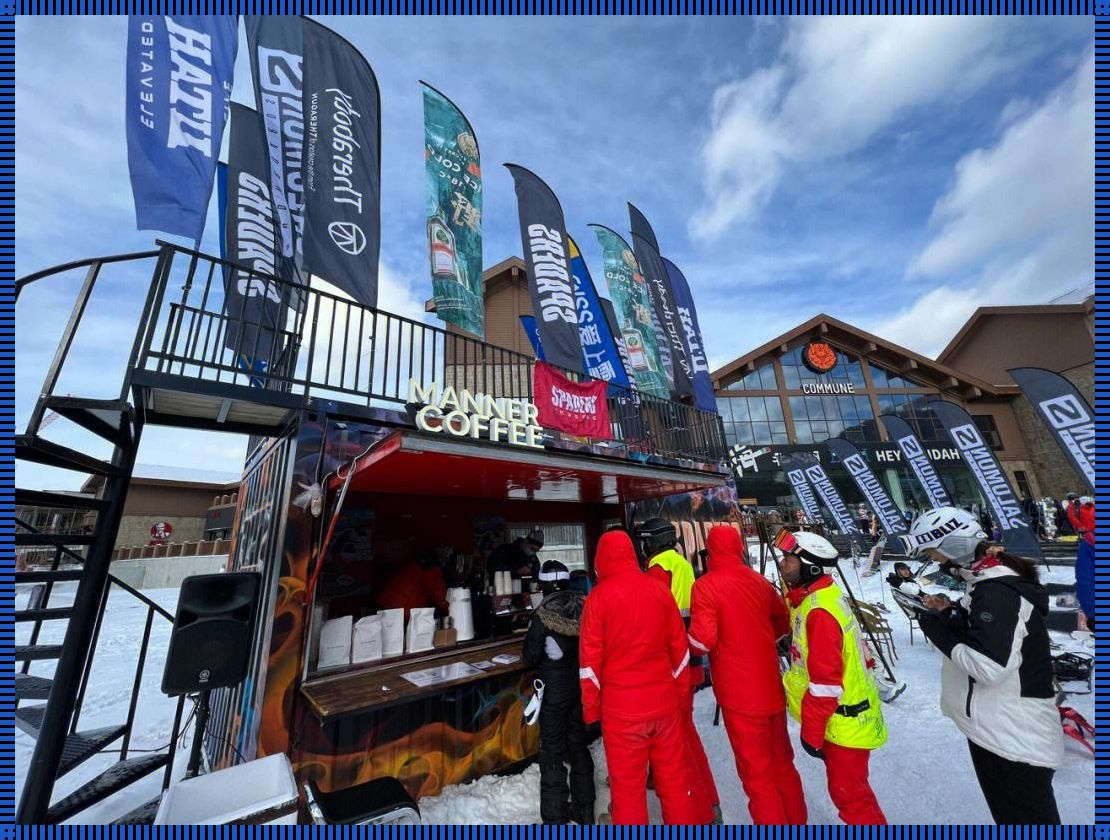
x=554, y=575
x=655, y=535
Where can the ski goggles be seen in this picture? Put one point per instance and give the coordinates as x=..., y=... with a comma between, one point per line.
x=786, y=541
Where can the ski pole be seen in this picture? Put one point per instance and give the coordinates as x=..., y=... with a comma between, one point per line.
x=859, y=583
x=866, y=629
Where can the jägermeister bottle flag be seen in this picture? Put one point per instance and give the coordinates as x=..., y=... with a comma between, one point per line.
x=453, y=174
x=633, y=311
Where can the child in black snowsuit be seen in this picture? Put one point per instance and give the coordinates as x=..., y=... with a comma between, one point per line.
x=551, y=647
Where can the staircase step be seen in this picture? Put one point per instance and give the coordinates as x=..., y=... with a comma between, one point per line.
x=143, y=815
x=49, y=576
x=79, y=747
x=41, y=451
x=109, y=419
x=84, y=745
x=49, y=499
x=48, y=614
x=29, y=719
x=37, y=653
x=112, y=780
x=54, y=539
x=30, y=687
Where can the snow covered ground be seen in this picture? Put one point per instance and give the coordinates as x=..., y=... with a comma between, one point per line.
x=922, y=775
x=109, y=694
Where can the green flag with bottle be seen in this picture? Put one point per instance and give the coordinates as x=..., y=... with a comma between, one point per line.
x=454, y=179
x=633, y=310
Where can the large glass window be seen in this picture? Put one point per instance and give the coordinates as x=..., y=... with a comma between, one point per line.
x=753, y=420
x=989, y=430
x=563, y=542
x=848, y=370
x=913, y=408
x=883, y=378
x=817, y=419
x=760, y=379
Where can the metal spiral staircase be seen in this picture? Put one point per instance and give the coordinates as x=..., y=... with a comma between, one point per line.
x=62, y=744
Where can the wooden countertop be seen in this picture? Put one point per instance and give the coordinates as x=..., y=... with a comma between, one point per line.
x=372, y=689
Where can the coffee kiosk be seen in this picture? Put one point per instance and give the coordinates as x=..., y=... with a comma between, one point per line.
x=390, y=635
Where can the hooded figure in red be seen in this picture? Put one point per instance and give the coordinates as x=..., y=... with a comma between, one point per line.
x=736, y=616
x=633, y=662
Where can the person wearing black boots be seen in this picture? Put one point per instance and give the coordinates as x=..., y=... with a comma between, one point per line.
x=551, y=646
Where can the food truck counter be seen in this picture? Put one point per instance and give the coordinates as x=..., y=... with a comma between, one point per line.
x=374, y=689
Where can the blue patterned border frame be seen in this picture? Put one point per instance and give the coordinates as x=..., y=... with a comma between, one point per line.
x=1102, y=380
x=7, y=409
x=577, y=7
x=930, y=764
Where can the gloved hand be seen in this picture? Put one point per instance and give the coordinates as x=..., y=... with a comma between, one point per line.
x=816, y=752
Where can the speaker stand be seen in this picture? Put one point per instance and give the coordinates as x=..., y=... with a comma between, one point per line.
x=193, y=767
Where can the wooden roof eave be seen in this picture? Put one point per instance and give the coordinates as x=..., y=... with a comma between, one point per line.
x=879, y=350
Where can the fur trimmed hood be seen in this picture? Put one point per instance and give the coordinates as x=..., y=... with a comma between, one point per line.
x=561, y=612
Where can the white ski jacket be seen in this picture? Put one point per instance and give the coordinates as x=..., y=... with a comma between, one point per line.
x=996, y=678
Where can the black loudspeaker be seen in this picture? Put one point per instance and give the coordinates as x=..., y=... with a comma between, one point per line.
x=211, y=642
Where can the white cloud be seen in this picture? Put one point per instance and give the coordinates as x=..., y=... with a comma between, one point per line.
x=1035, y=182
x=1017, y=224
x=836, y=83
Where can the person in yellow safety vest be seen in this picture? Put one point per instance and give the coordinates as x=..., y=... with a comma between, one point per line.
x=657, y=540
x=830, y=685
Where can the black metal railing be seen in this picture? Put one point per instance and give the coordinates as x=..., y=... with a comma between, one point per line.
x=152, y=609
x=319, y=345
x=92, y=268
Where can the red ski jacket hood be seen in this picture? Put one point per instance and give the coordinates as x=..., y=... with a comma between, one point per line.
x=736, y=615
x=726, y=548
x=615, y=554
x=633, y=654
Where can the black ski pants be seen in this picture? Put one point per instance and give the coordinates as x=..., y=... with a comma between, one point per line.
x=563, y=741
x=1017, y=793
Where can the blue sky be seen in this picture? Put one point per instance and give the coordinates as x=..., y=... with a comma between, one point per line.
x=895, y=173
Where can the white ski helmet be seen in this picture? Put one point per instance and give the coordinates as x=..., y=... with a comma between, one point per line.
x=946, y=534
x=815, y=552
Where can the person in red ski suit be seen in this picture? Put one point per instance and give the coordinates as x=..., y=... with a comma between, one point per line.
x=633, y=658
x=1081, y=515
x=658, y=541
x=737, y=617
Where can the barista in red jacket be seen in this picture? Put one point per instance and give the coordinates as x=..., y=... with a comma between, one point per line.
x=418, y=583
x=633, y=658
x=737, y=617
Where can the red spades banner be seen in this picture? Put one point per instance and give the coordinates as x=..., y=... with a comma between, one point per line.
x=576, y=408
